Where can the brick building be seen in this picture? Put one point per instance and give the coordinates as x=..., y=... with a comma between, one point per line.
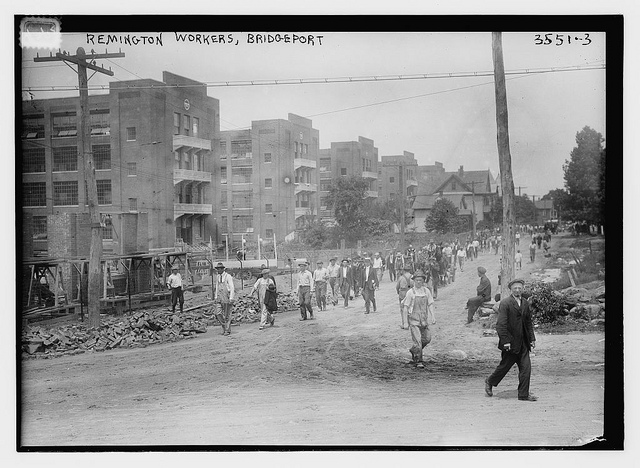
x=268, y=180
x=152, y=150
x=389, y=176
x=346, y=159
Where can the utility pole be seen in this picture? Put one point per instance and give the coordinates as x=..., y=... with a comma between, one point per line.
x=506, y=177
x=473, y=215
x=83, y=61
x=520, y=190
x=402, y=193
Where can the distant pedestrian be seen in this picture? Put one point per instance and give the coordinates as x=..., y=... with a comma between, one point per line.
x=532, y=251
x=320, y=278
x=518, y=238
x=304, y=288
x=419, y=308
x=378, y=266
x=332, y=269
x=261, y=285
x=462, y=254
x=516, y=341
x=390, y=262
x=174, y=282
x=345, y=281
x=223, y=298
x=518, y=260
x=368, y=284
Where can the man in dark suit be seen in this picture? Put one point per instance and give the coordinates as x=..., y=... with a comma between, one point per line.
x=368, y=283
x=515, y=331
x=483, y=294
x=345, y=281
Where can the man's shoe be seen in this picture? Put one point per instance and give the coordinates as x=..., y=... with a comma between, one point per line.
x=487, y=388
x=366, y=312
x=529, y=398
x=303, y=319
x=273, y=320
x=420, y=365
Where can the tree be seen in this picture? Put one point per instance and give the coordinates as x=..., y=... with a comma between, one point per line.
x=316, y=234
x=347, y=200
x=525, y=210
x=443, y=216
x=559, y=197
x=584, y=178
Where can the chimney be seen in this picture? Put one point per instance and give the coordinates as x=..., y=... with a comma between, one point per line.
x=461, y=171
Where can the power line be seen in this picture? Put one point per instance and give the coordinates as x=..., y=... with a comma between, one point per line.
x=355, y=79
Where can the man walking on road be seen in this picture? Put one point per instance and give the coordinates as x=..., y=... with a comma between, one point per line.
x=305, y=288
x=345, y=281
x=224, y=296
x=532, y=251
x=418, y=304
x=369, y=282
x=483, y=294
x=378, y=266
x=332, y=269
x=461, y=255
x=390, y=261
x=516, y=340
x=174, y=281
x=261, y=285
x=320, y=277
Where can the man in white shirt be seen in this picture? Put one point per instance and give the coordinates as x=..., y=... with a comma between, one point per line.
x=223, y=298
x=174, y=282
x=305, y=287
x=369, y=284
x=320, y=278
x=332, y=269
x=378, y=266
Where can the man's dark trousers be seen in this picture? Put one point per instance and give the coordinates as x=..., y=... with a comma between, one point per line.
x=524, y=370
x=177, y=294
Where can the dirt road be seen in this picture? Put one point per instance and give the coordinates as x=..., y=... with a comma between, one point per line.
x=338, y=380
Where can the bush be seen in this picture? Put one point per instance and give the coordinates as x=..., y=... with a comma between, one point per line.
x=547, y=305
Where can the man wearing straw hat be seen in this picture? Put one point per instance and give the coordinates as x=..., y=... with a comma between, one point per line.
x=174, y=282
x=223, y=298
x=516, y=340
x=419, y=307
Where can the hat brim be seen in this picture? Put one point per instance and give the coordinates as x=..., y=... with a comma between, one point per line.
x=511, y=283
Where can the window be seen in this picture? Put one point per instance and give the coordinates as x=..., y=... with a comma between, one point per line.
x=196, y=125
x=223, y=175
x=392, y=180
x=240, y=149
x=223, y=150
x=224, y=223
x=241, y=175
x=223, y=200
x=243, y=199
x=132, y=168
x=242, y=222
x=266, y=131
x=39, y=227
x=343, y=171
x=268, y=183
x=131, y=133
x=176, y=123
x=33, y=160
x=325, y=164
x=295, y=148
x=33, y=126
x=35, y=193
x=269, y=234
x=107, y=232
x=100, y=124
x=65, y=158
x=101, y=156
x=64, y=125
x=325, y=185
x=268, y=208
x=453, y=186
x=65, y=193
x=104, y=192
x=305, y=148
x=267, y=157
x=133, y=204
x=186, y=120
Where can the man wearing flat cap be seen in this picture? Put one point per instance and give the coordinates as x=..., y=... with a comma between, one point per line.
x=345, y=280
x=368, y=282
x=223, y=298
x=483, y=294
x=516, y=340
x=174, y=282
x=305, y=287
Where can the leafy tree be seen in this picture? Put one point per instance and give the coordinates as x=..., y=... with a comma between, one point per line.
x=375, y=227
x=347, y=200
x=316, y=235
x=525, y=210
x=584, y=178
x=443, y=216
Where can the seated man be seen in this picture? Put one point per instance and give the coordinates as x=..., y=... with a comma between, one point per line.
x=483, y=294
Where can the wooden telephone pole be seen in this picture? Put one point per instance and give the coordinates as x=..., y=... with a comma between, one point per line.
x=506, y=177
x=83, y=61
x=473, y=214
x=402, y=197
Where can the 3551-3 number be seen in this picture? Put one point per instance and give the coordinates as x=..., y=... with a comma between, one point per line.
x=561, y=39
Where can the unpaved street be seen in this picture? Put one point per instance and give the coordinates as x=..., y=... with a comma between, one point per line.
x=338, y=380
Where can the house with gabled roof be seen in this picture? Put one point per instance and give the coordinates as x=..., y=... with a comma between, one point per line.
x=472, y=192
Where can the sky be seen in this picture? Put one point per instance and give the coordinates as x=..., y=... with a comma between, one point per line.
x=447, y=119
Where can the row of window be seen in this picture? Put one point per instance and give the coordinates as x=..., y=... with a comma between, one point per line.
x=65, y=193
x=39, y=229
x=65, y=124
x=184, y=124
x=65, y=159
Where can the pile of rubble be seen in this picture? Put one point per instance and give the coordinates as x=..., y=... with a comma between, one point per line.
x=586, y=302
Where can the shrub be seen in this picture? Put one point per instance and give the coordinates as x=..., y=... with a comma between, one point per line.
x=547, y=305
